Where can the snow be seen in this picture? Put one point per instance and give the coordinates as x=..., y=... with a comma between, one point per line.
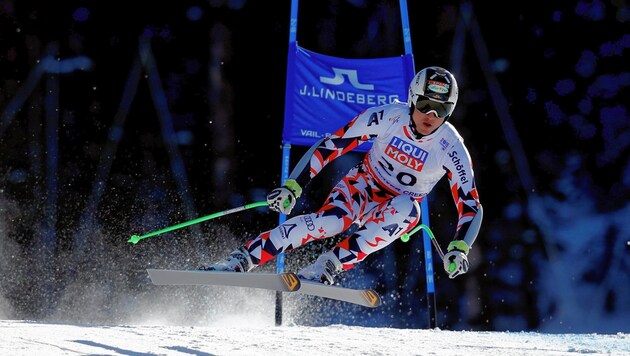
x=36, y=338
x=213, y=320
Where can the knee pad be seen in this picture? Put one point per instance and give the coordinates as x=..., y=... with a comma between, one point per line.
x=405, y=204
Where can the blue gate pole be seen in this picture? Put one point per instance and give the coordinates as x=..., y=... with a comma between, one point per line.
x=424, y=205
x=286, y=155
x=428, y=262
x=286, y=148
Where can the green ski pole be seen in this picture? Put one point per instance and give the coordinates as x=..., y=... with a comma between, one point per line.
x=406, y=236
x=135, y=238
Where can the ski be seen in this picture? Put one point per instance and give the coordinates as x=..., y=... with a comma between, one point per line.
x=365, y=297
x=283, y=282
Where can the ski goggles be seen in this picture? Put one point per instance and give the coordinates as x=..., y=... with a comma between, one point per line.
x=426, y=105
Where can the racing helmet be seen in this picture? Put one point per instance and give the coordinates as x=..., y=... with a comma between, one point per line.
x=433, y=89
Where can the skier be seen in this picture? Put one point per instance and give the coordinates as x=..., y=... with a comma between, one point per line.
x=414, y=146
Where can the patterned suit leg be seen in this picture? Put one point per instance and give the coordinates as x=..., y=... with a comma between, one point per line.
x=384, y=224
x=335, y=216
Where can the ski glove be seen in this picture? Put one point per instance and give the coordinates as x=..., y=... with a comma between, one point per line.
x=283, y=199
x=455, y=261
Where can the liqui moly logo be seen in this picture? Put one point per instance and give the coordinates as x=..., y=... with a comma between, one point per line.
x=406, y=153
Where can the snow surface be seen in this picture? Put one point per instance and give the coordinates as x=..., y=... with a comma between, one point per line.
x=35, y=338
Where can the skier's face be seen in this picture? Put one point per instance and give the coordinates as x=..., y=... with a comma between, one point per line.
x=426, y=123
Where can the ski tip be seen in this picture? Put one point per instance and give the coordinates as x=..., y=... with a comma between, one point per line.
x=291, y=281
x=371, y=297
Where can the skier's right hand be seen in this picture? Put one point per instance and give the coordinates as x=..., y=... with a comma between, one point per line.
x=455, y=261
x=283, y=199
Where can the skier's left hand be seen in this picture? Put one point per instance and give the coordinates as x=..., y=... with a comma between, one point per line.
x=283, y=199
x=456, y=260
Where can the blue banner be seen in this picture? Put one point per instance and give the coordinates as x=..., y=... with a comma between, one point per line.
x=330, y=91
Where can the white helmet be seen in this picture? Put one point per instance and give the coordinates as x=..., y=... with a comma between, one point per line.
x=434, y=89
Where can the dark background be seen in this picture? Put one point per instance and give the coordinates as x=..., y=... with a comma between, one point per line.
x=91, y=156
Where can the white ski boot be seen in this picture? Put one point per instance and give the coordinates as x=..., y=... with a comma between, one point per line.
x=238, y=261
x=324, y=270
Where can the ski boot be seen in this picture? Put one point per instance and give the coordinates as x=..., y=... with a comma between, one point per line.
x=324, y=270
x=238, y=261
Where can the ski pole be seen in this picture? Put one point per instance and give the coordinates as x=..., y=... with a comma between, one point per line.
x=406, y=236
x=135, y=238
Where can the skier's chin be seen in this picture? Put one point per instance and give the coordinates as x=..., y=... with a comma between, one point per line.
x=427, y=130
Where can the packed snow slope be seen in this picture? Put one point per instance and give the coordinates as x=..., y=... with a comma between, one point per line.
x=244, y=337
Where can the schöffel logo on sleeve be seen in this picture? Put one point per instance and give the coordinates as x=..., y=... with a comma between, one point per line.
x=345, y=93
x=459, y=167
x=407, y=154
